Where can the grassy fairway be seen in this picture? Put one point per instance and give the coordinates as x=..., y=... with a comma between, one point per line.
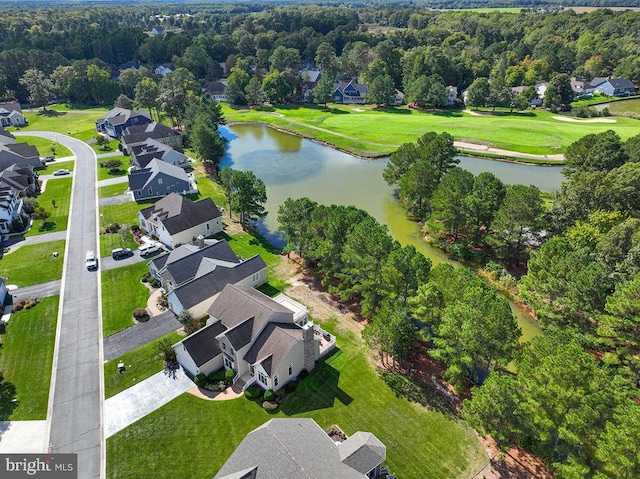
x=626, y=106
x=122, y=292
x=33, y=264
x=26, y=357
x=421, y=442
x=58, y=189
x=78, y=123
x=373, y=132
x=46, y=147
x=141, y=363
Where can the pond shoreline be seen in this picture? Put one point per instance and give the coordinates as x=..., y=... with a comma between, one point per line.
x=481, y=152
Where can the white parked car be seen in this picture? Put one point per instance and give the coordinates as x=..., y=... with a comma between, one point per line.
x=91, y=261
x=61, y=172
x=150, y=248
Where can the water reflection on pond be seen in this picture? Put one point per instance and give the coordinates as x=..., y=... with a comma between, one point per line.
x=292, y=167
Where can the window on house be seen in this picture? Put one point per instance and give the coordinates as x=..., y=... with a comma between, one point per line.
x=224, y=346
x=262, y=378
x=150, y=191
x=208, y=227
x=290, y=369
x=275, y=381
x=228, y=363
x=159, y=181
x=138, y=192
x=255, y=277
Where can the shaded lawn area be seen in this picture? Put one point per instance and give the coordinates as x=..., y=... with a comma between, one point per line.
x=45, y=146
x=26, y=357
x=58, y=189
x=141, y=363
x=533, y=132
x=122, y=292
x=33, y=264
x=108, y=148
x=422, y=442
x=112, y=190
x=207, y=188
x=106, y=173
x=246, y=245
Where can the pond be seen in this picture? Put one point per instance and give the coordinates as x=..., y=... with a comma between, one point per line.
x=292, y=167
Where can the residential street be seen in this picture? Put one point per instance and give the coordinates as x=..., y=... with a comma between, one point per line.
x=75, y=401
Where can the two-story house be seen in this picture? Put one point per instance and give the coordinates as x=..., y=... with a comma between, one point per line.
x=11, y=114
x=119, y=119
x=160, y=179
x=11, y=206
x=616, y=87
x=139, y=134
x=299, y=448
x=194, y=274
x=266, y=341
x=176, y=220
x=150, y=149
x=350, y=93
x=216, y=89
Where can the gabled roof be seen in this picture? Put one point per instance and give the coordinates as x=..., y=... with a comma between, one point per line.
x=597, y=81
x=621, y=83
x=363, y=452
x=214, y=88
x=272, y=345
x=153, y=130
x=310, y=76
x=185, y=263
x=119, y=116
x=150, y=149
x=238, y=303
x=291, y=448
x=202, y=345
x=199, y=289
x=362, y=88
x=6, y=136
x=7, y=108
x=240, y=335
x=139, y=179
x=178, y=213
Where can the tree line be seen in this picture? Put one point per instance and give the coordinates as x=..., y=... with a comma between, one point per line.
x=421, y=51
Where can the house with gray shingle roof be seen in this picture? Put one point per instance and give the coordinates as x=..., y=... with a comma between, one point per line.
x=160, y=179
x=143, y=153
x=297, y=448
x=616, y=87
x=138, y=134
x=350, y=92
x=266, y=341
x=194, y=274
x=11, y=114
x=119, y=119
x=176, y=220
x=20, y=154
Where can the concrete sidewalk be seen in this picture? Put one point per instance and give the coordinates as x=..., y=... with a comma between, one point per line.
x=40, y=290
x=113, y=181
x=115, y=200
x=143, y=398
x=22, y=437
x=15, y=243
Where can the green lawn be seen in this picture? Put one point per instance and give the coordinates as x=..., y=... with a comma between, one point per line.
x=46, y=147
x=422, y=441
x=105, y=173
x=58, y=189
x=246, y=245
x=626, y=106
x=108, y=148
x=141, y=363
x=59, y=165
x=112, y=190
x=111, y=241
x=33, y=264
x=532, y=132
x=26, y=357
x=123, y=212
x=59, y=118
x=122, y=292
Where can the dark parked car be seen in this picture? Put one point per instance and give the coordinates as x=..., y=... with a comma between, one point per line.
x=120, y=253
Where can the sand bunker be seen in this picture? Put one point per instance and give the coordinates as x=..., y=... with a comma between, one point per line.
x=590, y=120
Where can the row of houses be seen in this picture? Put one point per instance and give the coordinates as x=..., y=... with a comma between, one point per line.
x=18, y=178
x=157, y=159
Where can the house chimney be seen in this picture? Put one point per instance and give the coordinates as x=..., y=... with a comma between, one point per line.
x=309, y=347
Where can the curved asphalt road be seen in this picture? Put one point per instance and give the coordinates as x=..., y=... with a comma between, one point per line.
x=75, y=414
